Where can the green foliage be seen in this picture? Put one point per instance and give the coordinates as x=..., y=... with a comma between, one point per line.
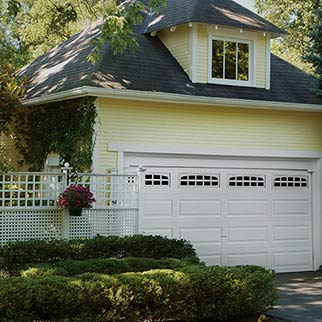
x=30, y=28
x=17, y=255
x=65, y=128
x=159, y=295
x=12, y=92
x=314, y=55
x=103, y=266
x=4, y=163
x=119, y=21
x=296, y=18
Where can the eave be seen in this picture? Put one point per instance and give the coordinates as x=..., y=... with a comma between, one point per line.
x=169, y=98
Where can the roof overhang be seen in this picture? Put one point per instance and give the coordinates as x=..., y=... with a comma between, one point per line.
x=169, y=98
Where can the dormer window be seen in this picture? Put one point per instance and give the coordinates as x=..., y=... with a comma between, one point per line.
x=230, y=62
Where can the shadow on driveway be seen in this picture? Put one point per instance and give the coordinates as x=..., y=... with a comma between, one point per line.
x=300, y=297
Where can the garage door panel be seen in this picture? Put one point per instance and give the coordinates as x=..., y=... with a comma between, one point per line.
x=260, y=259
x=157, y=208
x=200, y=207
x=247, y=207
x=165, y=232
x=295, y=260
x=247, y=234
x=291, y=207
x=211, y=235
x=292, y=233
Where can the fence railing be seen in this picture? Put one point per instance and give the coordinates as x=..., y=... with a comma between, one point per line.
x=28, y=206
x=30, y=190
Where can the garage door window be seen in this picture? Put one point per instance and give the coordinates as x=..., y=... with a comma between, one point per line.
x=291, y=182
x=247, y=181
x=199, y=180
x=153, y=179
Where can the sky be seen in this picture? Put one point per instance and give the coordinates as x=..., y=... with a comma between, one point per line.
x=247, y=3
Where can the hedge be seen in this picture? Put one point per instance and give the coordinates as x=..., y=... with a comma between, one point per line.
x=161, y=295
x=15, y=256
x=104, y=266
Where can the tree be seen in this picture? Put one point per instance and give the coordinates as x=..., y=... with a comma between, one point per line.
x=296, y=18
x=29, y=28
x=314, y=55
x=12, y=91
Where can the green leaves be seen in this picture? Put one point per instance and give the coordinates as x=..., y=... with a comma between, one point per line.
x=314, y=55
x=296, y=18
x=65, y=128
x=29, y=28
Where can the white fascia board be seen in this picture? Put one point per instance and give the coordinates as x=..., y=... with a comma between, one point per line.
x=169, y=98
x=209, y=151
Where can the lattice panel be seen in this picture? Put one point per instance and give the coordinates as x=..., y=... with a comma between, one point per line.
x=30, y=224
x=111, y=190
x=105, y=222
x=30, y=190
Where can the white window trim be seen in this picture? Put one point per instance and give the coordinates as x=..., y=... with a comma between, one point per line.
x=251, y=62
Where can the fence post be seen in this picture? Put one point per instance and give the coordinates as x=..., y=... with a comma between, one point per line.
x=140, y=173
x=67, y=170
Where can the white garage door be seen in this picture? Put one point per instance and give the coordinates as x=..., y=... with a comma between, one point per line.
x=233, y=217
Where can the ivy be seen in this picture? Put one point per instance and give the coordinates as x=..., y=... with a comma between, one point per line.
x=65, y=128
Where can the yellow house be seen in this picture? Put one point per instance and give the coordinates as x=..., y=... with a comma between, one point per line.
x=228, y=135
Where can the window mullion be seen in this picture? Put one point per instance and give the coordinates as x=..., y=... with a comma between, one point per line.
x=236, y=73
x=224, y=61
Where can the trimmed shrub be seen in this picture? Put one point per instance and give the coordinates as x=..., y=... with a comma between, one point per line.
x=15, y=256
x=103, y=266
x=160, y=295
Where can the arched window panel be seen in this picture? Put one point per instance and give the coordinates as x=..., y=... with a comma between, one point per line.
x=291, y=182
x=199, y=180
x=157, y=179
x=246, y=181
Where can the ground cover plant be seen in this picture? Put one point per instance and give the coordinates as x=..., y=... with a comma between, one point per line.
x=78, y=281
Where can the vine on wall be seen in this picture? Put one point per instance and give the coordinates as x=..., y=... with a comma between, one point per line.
x=65, y=128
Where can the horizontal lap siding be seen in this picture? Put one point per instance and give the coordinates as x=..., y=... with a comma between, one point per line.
x=12, y=154
x=202, y=54
x=178, y=43
x=261, y=61
x=123, y=121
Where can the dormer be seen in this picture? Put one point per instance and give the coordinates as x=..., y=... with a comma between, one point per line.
x=216, y=41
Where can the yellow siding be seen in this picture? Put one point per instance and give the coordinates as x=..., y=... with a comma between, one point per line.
x=123, y=121
x=261, y=61
x=11, y=153
x=178, y=43
x=203, y=55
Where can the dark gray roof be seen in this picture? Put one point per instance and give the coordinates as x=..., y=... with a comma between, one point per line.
x=216, y=12
x=150, y=68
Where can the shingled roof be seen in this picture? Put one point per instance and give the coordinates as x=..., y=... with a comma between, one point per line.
x=216, y=12
x=150, y=68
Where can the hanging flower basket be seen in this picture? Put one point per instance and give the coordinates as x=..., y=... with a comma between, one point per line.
x=75, y=198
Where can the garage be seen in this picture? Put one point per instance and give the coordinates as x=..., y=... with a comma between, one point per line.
x=233, y=215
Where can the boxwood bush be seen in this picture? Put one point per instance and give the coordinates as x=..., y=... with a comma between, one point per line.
x=15, y=256
x=186, y=294
x=104, y=266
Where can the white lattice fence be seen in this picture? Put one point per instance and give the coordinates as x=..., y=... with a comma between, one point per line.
x=28, y=208
x=116, y=209
x=22, y=224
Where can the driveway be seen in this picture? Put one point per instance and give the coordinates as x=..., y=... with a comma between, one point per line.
x=300, y=297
